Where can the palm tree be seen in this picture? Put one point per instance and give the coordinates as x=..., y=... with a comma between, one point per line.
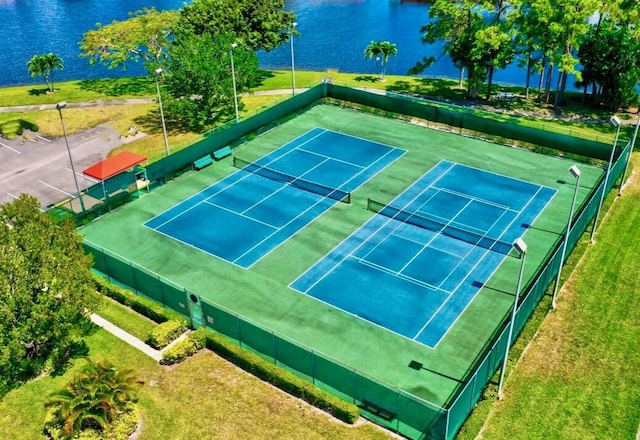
x=53, y=62
x=95, y=397
x=44, y=65
x=380, y=51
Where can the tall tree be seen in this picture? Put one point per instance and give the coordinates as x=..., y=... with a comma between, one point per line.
x=44, y=65
x=474, y=45
x=45, y=280
x=380, y=51
x=95, y=397
x=144, y=37
x=257, y=24
x=200, y=78
x=610, y=56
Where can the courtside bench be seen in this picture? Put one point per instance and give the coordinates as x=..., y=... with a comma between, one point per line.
x=222, y=153
x=377, y=409
x=202, y=162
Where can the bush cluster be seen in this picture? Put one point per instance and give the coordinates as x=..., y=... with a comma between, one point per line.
x=163, y=334
x=282, y=378
x=184, y=348
x=125, y=424
x=141, y=305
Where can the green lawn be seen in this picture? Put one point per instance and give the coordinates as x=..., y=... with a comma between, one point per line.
x=125, y=318
x=204, y=398
x=578, y=376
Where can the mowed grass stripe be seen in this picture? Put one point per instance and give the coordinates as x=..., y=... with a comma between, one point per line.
x=579, y=376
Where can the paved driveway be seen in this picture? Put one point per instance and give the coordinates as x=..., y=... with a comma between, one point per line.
x=40, y=166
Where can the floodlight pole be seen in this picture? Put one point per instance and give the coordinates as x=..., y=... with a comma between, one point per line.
x=233, y=77
x=521, y=247
x=59, y=107
x=633, y=144
x=575, y=172
x=615, y=121
x=164, y=126
x=293, y=70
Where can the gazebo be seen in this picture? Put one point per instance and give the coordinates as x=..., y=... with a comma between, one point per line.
x=120, y=172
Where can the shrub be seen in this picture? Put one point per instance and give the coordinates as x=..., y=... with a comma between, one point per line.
x=125, y=424
x=184, y=348
x=282, y=378
x=141, y=305
x=163, y=334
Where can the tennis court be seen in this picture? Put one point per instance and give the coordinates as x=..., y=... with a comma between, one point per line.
x=417, y=264
x=248, y=214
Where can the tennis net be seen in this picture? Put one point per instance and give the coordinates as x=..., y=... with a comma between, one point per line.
x=297, y=182
x=474, y=238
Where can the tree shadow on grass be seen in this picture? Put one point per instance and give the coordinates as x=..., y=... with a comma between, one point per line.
x=261, y=76
x=366, y=78
x=38, y=92
x=135, y=85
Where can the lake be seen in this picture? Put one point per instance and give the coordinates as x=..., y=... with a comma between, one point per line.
x=333, y=35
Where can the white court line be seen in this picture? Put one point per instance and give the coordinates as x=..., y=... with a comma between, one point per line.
x=12, y=149
x=57, y=189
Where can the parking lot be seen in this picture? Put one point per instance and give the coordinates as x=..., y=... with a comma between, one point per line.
x=40, y=166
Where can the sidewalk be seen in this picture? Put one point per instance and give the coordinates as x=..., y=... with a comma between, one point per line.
x=132, y=101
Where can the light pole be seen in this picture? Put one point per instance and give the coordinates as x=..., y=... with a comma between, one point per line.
x=233, y=77
x=60, y=106
x=164, y=127
x=521, y=247
x=633, y=144
x=575, y=172
x=616, y=122
x=293, y=69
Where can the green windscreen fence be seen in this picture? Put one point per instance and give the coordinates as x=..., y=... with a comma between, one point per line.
x=405, y=413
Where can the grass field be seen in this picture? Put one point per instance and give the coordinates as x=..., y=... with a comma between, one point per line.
x=204, y=398
x=578, y=376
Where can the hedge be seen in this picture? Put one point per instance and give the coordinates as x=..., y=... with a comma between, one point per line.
x=282, y=378
x=163, y=334
x=141, y=305
x=181, y=350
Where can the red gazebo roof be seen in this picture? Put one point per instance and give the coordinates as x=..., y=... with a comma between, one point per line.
x=114, y=165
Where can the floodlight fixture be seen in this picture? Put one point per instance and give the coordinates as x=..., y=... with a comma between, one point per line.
x=575, y=172
x=59, y=107
x=521, y=247
x=233, y=77
x=615, y=121
x=158, y=72
x=293, y=70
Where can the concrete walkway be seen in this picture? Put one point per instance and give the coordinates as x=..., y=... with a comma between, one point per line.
x=126, y=337
x=132, y=340
x=132, y=101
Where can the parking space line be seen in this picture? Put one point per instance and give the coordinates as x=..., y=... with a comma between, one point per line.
x=11, y=195
x=43, y=138
x=12, y=149
x=83, y=175
x=57, y=189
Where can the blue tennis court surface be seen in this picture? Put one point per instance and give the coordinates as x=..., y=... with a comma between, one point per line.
x=396, y=272
x=246, y=215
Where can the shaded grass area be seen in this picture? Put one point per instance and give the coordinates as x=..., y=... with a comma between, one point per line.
x=126, y=319
x=206, y=397
x=578, y=377
x=78, y=91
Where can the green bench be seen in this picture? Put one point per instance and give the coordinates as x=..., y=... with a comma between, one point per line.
x=222, y=153
x=377, y=409
x=202, y=162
